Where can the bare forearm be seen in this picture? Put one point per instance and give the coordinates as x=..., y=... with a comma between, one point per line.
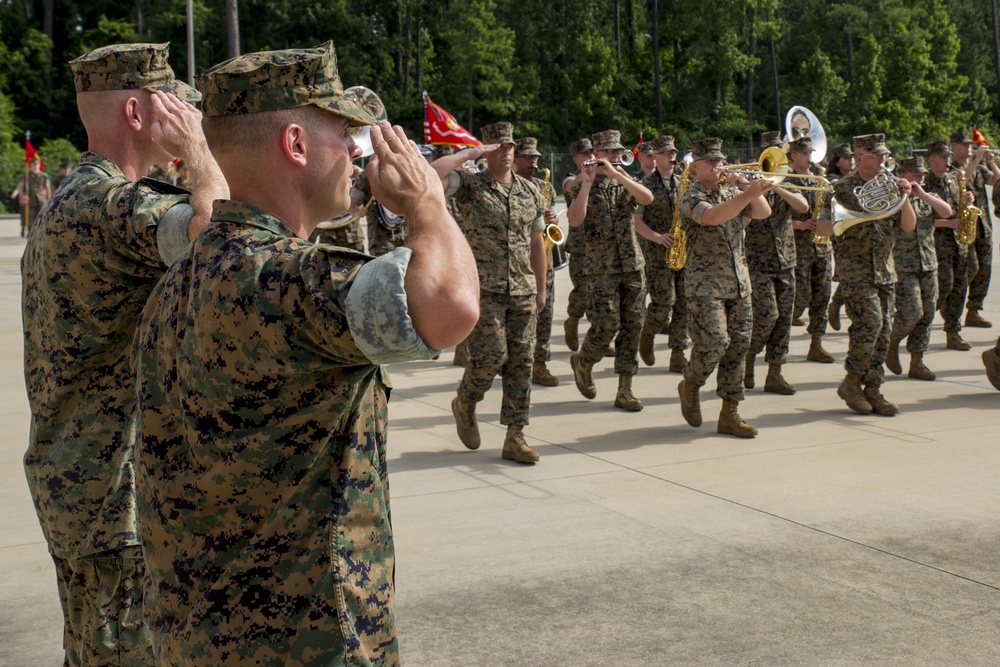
x=639, y=192
x=208, y=184
x=578, y=211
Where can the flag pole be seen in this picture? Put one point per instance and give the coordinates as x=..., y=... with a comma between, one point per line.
x=27, y=186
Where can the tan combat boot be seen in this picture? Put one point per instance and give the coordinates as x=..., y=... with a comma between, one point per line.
x=730, y=422
x=798, y=322
x=833, y=314
x=625, y=400
x=991, y=359
x=611, y=350
x=572, y=335
x=748, y=381
x=917, y=368
x=880, y=406
x=646, y=347
x=954, y=341
x=974, y=319
x=892, y=357
x=850, y=391
x=677, y=361
x=465, y=422
x=582, y=374
x=541, y=375
x=690, y=403
x=461, y=354
x=515, y=448
x=775, y=383
x=816, y=351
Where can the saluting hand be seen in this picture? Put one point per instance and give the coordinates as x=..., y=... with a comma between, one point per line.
x=399, y=175
x=176, y=124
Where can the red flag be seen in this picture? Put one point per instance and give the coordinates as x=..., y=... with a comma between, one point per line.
x=441, y=128
x=978, y=138
x=29, y=151
x=635, y=151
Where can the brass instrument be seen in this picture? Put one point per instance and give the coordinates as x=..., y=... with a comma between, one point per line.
x=879, y=198
x=773, y=164
x=677, y=253
x=552, y=234
x=967, y=213
x=624, y=159
x=817, y=210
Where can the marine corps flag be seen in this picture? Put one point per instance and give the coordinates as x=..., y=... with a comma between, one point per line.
x=441, y=128
x=979, y=139
x=29, y=151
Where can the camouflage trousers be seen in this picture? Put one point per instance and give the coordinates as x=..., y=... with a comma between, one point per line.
x=870, y=308
x=666, y=297
x=101, y=597
x=773, y=300
x=543, y=331
x=617, y=311
x=953, y=285
x=579, y=296
x=916, y=301
x=501, y=344
x=720, y=336
x=980, y=268
x=813, y=281
x=382, y=240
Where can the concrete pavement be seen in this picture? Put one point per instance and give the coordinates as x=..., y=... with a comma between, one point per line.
x=830, y=539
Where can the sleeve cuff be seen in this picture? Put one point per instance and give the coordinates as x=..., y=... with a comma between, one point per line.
x=172, y=232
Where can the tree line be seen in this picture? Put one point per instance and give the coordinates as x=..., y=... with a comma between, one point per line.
x=558, y=69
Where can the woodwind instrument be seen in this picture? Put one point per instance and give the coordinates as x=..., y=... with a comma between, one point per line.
x=677, y=254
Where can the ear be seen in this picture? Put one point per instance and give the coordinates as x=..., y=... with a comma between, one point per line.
x=293, y=144
x=133, y=113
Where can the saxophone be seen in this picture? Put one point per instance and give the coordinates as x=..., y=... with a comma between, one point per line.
x=817, y=238
x=677, y=254
x=967, y=213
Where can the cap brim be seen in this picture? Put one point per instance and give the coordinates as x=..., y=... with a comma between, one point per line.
x=181, y=90
x=528, y=154
x=345, y=108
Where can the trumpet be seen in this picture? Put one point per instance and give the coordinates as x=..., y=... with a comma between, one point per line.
x=625, y=158
x=773, y=164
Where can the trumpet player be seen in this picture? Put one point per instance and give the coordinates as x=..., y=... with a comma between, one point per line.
x=526, y=166
x=503, y=215
x=603, y=208
x=717, y=283
x=667, y=306
x=865, y=269
x=579, y=297
x=770, y=248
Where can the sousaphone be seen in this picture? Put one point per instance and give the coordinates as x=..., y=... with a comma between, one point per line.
x=800, y=122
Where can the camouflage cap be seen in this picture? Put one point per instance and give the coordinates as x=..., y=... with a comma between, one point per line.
x=962, y=137
x=129, y=67
x=664, y=144
x=841, y=150
x=940, y=147
x=497, y=133
x=801, y=145
x=275, y=80
x=645, y=148
x=581, y=146
x=368, y=101
x=768, y=139
x=527, y=147
x=912, y=165
x=709, y=148
x=609, y=140
x=873, y=143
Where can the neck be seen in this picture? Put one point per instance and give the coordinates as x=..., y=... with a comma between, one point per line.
x=124, y=154
x=501, y=174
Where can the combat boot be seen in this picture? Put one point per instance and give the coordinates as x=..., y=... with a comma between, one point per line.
x=646, y=347
x=892, y=357
x=880, y=406
x=541, y=375
x=465, y=422
x=582, y=374
x=991, y=359
x=775, y=383
x=515, y=448
x=690, y=403
x=677, y=361
x=954, y=341
x=730, y=422
x=461, y=354
x=748, y=381
x=570, y=327
x=917, y=368
x=625, y=400
x=974, y=319
x=798, y=322
x=611, y=350
x=850, y=391
x=816, y=351
x=833, y=314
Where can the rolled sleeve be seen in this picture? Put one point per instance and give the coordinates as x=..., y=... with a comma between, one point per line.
x=454, y=183
x=698, y=211
x=172, y=232
x=377, y=313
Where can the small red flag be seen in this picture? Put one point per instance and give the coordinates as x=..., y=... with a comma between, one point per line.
x=635, y=150
x=978, y=138
x=29, y=151
x=441, y=128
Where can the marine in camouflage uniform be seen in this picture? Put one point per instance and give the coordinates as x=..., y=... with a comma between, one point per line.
x=526, y=162
x=770, y=249
x=31, y=200
x=717, y=284
x=667, y=305
x=916, y=275
x=98, y=248
x=602, y=208
x=576, y=247
x=840, y=164
x=262, y=401
x=952, y=256
x=984, y=172
x=867, y=275
x=503, y=217
x=644, y=156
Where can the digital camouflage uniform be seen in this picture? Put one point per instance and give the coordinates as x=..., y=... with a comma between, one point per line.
x=770, y=251
x=665, y=286
x=614, y=265
x=498, y=225
x=813, y=271
x=37, y=197
x=386, y=231
x=980, y=253
x=543, y=349
x=952, y=256
x=576, y=247
x=916, y=280
x=349, y=235
x=718, y=290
